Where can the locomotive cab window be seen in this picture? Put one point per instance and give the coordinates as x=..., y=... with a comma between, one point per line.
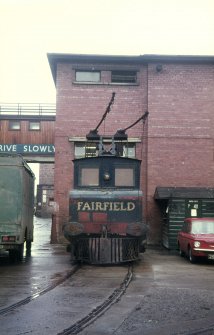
x=89, y=176
x=106, y=172
x=124, y=177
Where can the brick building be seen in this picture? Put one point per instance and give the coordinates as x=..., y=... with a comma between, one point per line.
x=45, y=191
x=176, y=144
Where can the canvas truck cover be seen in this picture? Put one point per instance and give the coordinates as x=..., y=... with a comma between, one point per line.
x=16, y=201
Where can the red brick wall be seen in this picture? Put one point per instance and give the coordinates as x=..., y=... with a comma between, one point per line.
x=179, y=148
x=46, y=174
x=79, y=109
x=181, y=130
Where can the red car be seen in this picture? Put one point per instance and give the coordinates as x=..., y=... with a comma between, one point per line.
x=196, y=238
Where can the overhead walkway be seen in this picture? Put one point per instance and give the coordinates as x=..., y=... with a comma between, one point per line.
x=31, y=109
x=28, y=129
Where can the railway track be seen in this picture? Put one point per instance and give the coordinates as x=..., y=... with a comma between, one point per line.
x=78, y=326
x=202, y=331
x=39, y=293
x=78, y=287
x=86, y=320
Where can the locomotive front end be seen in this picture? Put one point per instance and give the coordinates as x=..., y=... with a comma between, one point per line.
x=106, y=225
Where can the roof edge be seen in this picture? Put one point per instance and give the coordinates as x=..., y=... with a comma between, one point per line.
x=54, y=58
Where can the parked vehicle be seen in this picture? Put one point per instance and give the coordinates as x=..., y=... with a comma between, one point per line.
x=16, y=205
x=196, y=239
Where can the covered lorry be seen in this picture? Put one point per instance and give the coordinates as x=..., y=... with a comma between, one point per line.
x=16, y=205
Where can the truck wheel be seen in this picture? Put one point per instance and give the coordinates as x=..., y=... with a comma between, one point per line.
x=17, y=254
x=20, y=252
x=28, y=248
x=12, y=255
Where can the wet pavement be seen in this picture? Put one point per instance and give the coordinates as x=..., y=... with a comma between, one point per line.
x=167, y=295
x=46, y=263
x=56, y=310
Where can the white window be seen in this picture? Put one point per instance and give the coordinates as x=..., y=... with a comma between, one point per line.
x=34, y=125
x=88, y=76
x=44, y=196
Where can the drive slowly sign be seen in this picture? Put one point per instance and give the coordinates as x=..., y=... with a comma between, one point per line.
x=28, y=149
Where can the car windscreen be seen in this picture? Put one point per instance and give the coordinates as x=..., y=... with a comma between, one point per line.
x=203, y=227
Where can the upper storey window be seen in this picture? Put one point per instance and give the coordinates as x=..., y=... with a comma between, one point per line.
x=88, y=76
x=14, y=125
x=81, y=150
x=34, y=125
x=124, y=77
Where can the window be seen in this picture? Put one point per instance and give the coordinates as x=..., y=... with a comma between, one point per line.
x=124, y=177
x=14, y=125
x=44, y=196
x=124, y=77
x=89, y=177
x=203, y=227
x=33, y=125
x=129, y=150
x=81, y=150
x=88, y=76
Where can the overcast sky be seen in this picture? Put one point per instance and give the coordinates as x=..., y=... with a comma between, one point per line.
x=29, y=29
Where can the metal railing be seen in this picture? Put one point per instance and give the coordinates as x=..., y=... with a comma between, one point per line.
x=28, y=109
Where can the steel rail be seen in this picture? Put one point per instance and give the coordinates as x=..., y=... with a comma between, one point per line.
x=97, y=312
x=39, y=293
x=206, y=331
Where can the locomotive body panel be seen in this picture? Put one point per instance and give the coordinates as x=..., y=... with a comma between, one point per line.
x=105, y=210
x=118, y=212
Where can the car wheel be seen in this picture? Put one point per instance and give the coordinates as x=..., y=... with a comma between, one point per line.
x=181, y=253
x=192, y=258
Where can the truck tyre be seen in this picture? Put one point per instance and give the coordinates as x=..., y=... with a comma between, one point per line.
x=20, y=252
x=12, y=255
x=28, y=248
x=16, y=254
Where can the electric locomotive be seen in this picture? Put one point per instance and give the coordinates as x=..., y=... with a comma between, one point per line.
x=105, y=206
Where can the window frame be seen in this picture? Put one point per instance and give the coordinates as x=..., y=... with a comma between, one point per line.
x=80, y=150
x=88, y=72
x=35, y=122
x=106, y=167
x=80, y=176
x=12, y=123
x=132, y=168
x=124, y=75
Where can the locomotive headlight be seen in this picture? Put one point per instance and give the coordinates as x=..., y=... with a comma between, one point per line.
x=106, y=176
x=197, y=244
